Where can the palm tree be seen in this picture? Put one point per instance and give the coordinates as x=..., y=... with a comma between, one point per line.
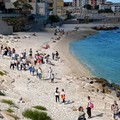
x=23, y=6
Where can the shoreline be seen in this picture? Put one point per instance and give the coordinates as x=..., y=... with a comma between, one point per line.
x=82, y=71
x=70, y=59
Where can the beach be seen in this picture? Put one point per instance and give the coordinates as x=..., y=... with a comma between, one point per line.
x=70, y=75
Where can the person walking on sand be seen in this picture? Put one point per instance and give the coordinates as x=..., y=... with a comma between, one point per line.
x=115, y=110
x=81, y=113
x=57, y=95
x=89, y=107
x=63, y=96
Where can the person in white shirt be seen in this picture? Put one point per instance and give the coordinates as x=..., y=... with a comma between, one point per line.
x=12, y=64
x=57, y=94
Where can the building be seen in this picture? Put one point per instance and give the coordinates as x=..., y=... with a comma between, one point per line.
x=39, y=6
x=50, y=6
x=101, y=2
x=93, y=3
x=78, y=3
x=105, y=6
x=57, y=7
x=116, y=7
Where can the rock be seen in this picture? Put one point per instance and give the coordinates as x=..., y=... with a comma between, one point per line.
x=91, y=82
x=106, y=28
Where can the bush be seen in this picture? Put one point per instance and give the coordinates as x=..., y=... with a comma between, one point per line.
x=2, y=73
x=40, y=107
x=9, y=102
x=54, y=18
x=35, y=115
x=18, y=23
x=9, y=110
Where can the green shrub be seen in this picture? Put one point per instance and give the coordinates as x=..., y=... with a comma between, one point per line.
x=35, y=115
x=40, y=107
x=2, y=94
x=2, y=73
x=9, y=110
x=9, y=102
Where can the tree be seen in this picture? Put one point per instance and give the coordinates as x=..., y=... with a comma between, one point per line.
x=96, y=7
x=53, y=19
x=87, y=6
x=68, y=14
x=23, y=6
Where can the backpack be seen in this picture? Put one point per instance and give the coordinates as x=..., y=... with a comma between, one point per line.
x=91, y=105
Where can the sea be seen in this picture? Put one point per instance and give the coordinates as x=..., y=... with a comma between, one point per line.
x=100, y=53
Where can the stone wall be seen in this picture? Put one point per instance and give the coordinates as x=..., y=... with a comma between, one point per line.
x=4, y=28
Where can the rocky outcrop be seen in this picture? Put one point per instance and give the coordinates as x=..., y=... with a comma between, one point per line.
x=106, y=28
x=4, y=28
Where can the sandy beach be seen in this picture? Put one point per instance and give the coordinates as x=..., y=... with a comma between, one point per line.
x=70, y=75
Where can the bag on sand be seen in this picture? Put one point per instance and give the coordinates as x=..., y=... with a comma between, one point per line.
x=91, y=105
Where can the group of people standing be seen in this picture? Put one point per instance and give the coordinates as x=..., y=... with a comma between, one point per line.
x=58, y=94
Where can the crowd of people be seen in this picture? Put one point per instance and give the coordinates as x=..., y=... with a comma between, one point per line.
x=29, y=61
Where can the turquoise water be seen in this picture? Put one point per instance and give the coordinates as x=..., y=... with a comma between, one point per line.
x=100, y=53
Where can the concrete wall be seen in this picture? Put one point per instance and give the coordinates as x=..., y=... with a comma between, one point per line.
x=4, y=28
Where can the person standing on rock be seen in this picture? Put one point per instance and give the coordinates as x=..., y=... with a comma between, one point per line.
x=57, y=95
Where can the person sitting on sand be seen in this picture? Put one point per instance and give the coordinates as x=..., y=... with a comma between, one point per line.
x=118, y=116
x=81, y=113
x=115, y=109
